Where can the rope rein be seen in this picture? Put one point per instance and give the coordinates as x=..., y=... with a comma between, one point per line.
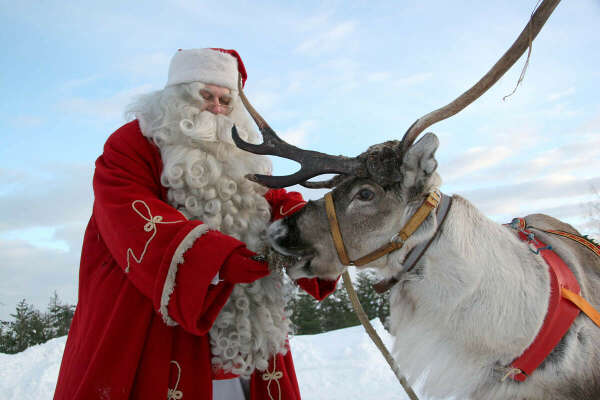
x=364, y=320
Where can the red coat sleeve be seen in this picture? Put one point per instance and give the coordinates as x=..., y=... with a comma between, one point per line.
x=284, y=203
x=169, y=259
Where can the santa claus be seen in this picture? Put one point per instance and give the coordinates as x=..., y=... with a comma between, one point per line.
x=173, y=301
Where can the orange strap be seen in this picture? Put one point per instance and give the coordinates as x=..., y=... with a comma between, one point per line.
x=394, y=244
x=582, y=304
x=581, y=240
x=573, y=297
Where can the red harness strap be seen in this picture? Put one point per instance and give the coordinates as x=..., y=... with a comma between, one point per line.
x=561, y=312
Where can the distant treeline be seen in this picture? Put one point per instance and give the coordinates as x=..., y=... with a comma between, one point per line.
x=335, y=312
x=31, y=326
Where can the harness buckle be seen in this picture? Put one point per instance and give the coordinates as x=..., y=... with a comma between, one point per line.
x=396, y=239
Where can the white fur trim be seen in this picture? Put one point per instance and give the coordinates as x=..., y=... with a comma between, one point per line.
x=203, y=65
x=177, y=259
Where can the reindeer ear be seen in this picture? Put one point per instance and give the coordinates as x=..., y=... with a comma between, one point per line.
x=419, y=162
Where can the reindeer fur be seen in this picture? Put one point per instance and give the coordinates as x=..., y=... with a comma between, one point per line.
x=476, y=299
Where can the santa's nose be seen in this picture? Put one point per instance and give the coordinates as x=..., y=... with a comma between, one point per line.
x=218, y=108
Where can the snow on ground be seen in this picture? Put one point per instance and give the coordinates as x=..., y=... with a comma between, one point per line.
x=31, y=374
x=342, y=364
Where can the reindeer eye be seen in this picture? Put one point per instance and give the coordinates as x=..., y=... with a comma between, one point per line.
x=365, y=195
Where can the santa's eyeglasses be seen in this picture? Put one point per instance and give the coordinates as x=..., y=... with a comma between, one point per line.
x=223, y=102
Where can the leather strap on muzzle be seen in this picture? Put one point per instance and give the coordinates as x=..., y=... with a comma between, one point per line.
x=395, y=243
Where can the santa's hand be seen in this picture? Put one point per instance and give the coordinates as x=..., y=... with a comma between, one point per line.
x=277, y=262
x=241, y=267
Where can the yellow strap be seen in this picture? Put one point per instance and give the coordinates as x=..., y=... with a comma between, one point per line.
x=411, y=226
x=582, y=304
x=335, y=230
x=417, y=219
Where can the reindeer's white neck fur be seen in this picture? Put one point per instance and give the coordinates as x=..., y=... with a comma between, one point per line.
x=479, y=303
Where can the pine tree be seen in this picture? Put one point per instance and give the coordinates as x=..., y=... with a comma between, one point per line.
x=60, y=316
x=7, y=339
x=336, y=311
x=375, y=305
x=305, y=315
x=30, y=327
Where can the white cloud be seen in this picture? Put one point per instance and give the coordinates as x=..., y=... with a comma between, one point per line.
x=264, y=100
x=378, y=76
x=559, y=95
x=315, y=22
x=528, y=158
x=147, y=65
x=42, y=237
x=413, y=79
x=560, y=110
x=593, y=125
x=42, y=219
x=298, y=135
x=332, y=39
x=531, y=196
x=106, y=109
x=27, y=121
x=79, y=82
x=10, y=176
x=473, y=160
x=33, y=273
x=62, y=196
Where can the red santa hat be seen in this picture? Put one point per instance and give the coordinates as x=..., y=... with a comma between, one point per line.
x=213, y=66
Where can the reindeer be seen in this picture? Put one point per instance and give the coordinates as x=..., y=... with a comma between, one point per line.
x=469, y=297
x=477, y=297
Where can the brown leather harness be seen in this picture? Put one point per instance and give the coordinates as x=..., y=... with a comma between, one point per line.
x=397, y=241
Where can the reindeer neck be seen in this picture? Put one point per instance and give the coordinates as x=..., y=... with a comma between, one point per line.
x=483, y=256
x=477, y=289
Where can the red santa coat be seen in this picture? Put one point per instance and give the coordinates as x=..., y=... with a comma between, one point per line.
x=119, y=346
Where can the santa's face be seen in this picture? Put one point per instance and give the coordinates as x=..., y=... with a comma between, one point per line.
x=217, y=99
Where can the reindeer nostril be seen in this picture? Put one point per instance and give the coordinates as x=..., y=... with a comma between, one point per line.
x=286, y=239
x=276, y=231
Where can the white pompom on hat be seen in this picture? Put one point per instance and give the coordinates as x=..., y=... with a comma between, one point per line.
x=211, y=65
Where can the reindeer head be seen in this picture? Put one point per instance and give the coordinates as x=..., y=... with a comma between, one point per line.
x=374, y=194
x=370, y=210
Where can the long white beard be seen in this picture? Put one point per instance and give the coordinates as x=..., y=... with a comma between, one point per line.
x=204, y=173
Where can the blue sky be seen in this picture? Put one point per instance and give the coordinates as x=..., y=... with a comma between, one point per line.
x=334, y=76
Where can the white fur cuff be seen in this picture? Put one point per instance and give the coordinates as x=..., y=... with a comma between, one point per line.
x=177, y=259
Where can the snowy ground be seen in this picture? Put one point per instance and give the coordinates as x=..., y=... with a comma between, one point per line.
x=345, y=364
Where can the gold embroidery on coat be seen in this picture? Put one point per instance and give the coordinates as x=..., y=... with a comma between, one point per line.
x=284, y=213
x=271, y=376
x=150, y=226
x=174, y=394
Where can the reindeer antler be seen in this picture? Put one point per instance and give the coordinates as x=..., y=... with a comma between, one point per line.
x=529, y=33
x=312, y=163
